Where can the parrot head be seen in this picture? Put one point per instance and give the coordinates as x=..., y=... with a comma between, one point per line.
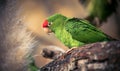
x=51, y=23
x=45, y=26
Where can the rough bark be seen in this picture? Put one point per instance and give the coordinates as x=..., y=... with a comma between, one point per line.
x=100, y=56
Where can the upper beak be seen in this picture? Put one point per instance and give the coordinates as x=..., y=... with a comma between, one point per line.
x=47, y=30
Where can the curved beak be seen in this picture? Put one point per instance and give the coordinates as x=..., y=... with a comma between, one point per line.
x=47, y=30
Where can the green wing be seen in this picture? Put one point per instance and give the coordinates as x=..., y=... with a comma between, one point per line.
x=83, y=31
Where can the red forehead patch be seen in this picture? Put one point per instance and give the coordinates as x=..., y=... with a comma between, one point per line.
x=45, y=23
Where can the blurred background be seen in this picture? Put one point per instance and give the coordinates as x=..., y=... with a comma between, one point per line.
x=35, y=12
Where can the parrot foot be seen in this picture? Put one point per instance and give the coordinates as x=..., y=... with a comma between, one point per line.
x=71, y=49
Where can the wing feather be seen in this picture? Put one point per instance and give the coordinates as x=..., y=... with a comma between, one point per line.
x=83, y=31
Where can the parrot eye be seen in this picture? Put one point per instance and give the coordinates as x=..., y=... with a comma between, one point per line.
x=50, y=23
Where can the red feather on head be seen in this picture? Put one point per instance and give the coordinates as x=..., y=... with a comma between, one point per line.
x=45, y=23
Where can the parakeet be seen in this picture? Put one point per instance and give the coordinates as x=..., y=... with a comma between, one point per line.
x=73, y=32
x=100, y=9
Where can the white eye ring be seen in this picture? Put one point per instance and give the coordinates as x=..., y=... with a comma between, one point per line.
x=50, y=23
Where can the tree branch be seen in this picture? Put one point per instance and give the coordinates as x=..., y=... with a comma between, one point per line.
x=100, y=56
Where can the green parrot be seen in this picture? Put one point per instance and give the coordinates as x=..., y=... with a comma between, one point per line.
x=100, y=9
x=73, y=32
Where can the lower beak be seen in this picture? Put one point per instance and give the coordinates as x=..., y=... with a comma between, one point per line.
x=47, y=30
